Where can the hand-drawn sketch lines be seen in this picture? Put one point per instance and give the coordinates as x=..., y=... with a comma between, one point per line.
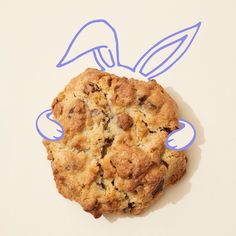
x=157, y=60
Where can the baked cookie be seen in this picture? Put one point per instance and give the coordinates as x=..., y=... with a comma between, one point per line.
x=113, y=156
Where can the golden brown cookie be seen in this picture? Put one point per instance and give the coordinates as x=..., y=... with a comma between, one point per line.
x=113, y=158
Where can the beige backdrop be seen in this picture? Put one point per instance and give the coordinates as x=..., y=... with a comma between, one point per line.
x=34, y=36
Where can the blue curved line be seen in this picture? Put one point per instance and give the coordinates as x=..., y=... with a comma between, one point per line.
x=182, y=39
x=115, y=36
x=116, y=42
x=182, y=125
x=159, y=42
x=98, y=62
x=48, y=117
x=104, y=61
x=59, y=130
x=60, y=64
x=133, y=69
x=197, y=26
x=127, y=67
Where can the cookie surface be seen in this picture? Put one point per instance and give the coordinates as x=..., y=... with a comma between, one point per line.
x=113, y=156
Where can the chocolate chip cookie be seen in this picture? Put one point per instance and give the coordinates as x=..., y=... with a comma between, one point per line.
x=113, y=157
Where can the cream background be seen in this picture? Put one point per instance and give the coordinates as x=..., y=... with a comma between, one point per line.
x=34, y=35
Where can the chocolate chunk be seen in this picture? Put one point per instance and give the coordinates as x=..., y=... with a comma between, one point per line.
x=109, y=82
x=152, y=131
x=158, y=188
x=71, y=110
x=142, y=99
x=167, y=130
x=55, y=101
x=91, y=88
x=108, y=142
x=124, y=121
x=106, y=122
x=164, y=163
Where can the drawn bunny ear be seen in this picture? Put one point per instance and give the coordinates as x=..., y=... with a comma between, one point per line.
x=97, y=37
x=153, y=63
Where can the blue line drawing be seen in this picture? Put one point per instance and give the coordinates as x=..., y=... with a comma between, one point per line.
x=59, y=129
x=103, y=63
x=163, y=44
x=182, y=138
x=96, y=49
x=106, y=55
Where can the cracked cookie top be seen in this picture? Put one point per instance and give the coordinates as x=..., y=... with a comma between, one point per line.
x=113, y=156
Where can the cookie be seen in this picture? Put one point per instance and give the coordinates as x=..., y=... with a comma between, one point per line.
x=113, y=157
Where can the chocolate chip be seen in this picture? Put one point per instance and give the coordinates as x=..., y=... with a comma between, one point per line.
x=109, y=82
x=71, y=110
x=167, y=130
x=142, y=99
x=96, y=88
x=106, y=123
x=152, y=132
x=130, y=175
x=91, y=88
x=129, y=208
x=131, y=205
x=158, y=188
x=108, y=142
x=124, y=121
x=164, y=163
x=145, y=123
x=55, y=102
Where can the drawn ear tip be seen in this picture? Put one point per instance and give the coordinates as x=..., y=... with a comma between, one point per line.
x=61, y=63
x=198, y=24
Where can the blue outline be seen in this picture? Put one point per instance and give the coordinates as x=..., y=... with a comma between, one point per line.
x=102, y=63
x=111, y=57
x=182, y=39
x=61, y=63
x=54, y=121
x=197, y=26
x=95, y=52
x=182, y=125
